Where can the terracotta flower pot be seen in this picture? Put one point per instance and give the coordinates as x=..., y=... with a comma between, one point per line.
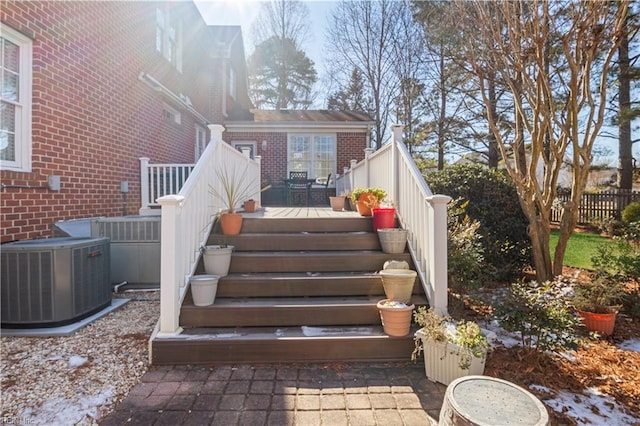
x=250, y=206
x=601, y=323
x=231, y=223
x=395, y=317
x=366, y=201
x=337, y=203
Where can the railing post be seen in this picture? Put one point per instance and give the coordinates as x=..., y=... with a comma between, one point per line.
x=216, y=131
x=352, y=181
x=437, y=251
x=367, y=154
x=397, y=130
x=169, y=254
x=144, y=182
x=258, y=159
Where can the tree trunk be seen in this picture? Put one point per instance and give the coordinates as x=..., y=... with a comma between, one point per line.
x=493, y=155
x=625, y=157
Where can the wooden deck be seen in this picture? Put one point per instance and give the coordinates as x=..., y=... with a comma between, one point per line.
x=299, y=212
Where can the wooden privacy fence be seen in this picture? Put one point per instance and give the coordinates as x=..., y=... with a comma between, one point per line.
x=599, y=206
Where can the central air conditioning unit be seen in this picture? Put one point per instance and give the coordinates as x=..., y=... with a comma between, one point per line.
x=52, y=282
x=135, y=247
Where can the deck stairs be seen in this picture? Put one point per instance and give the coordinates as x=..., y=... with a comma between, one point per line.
x=299, y=290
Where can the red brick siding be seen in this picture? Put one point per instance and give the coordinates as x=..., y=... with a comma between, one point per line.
x=92, y=117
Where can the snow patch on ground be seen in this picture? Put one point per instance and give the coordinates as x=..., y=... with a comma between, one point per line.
x=76, y=361
x=503, y=337
x=81, y=409
x=591, y=407
x=630, y=345
x=319, y=331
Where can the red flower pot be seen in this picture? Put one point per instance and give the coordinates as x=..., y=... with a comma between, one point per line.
x=383, y=217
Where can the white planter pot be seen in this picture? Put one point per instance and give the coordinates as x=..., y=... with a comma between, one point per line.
x=442, y=360
x=217, y=260
x=204, y=289
x=392, y=240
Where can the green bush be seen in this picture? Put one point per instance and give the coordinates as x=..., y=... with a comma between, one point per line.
x=541, y=315
x=623, y=257
x=467, y=268
x=493, y=201
x=631, y=213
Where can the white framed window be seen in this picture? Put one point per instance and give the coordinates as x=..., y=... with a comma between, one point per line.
x=201, y=141
x=314, y=153
x=169, y=36
x=171, y=114
x=15, y=100
x=252, y=145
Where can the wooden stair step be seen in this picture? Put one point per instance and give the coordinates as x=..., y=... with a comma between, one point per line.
x=339, y=241
x=285, y=311
x=282, y=344
x=294, y=284
x=283, y=225
x=312, y=261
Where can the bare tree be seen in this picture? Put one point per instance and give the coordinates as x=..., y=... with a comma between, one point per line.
x=285, y=19
x=360, y=36
x=559, y=98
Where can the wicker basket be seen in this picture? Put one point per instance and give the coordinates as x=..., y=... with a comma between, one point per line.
x=392, y=240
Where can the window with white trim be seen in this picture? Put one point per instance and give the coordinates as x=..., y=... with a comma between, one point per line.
x=201, y=141
x=233, y=91
x=171, y=114
x=313, y=153
x=169, y=36
x=15, y=100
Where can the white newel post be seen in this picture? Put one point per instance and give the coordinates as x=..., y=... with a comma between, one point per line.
x=216, y=131
x=144, y=182
x=397, y=130
x=352, y=176
x=258, y=159
x=437, y=221
x=169, y=280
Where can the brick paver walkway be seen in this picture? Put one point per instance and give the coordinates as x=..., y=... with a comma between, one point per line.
x=318, y=394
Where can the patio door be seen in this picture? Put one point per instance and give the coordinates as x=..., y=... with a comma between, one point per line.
x=314, y=153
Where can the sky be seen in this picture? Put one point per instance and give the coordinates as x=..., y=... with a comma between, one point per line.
x=244, y=12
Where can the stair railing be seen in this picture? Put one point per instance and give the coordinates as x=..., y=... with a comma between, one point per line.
x=158, y=180
x=187, y=219
x=419, y=211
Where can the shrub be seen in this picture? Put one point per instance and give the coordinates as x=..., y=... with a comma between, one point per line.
x=631, y=213
x=542, y=316
x=464, y=249
x=493, y=202
x=623, y=257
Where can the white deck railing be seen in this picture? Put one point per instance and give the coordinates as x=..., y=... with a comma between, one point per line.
x=187, y=218
x=158, y=180
x=419, y=211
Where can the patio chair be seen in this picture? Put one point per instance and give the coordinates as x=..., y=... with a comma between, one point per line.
x=298, y=187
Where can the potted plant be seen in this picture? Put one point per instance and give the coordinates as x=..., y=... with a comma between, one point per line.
x=204, y=289
x=367, y=198
x=235, y=187
x=451, y=349
x=395, y=317
x=250, y=205
x=598, y=301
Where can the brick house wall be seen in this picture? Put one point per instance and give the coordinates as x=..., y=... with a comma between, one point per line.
x=92, y=118
x=350, y=146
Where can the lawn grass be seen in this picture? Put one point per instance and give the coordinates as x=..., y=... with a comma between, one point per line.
x=582, y=246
